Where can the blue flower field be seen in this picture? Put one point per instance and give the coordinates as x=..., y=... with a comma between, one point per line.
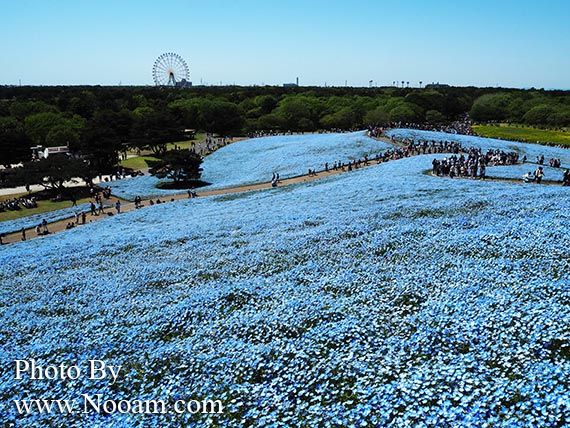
x=383, y=297
x=255, y=160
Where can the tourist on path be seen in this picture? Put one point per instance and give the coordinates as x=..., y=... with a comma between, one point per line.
x=539, y=173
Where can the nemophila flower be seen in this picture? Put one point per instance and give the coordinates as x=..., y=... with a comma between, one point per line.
x=256, y=160
x=531, y=151
x=383, y=297
x=33, y=220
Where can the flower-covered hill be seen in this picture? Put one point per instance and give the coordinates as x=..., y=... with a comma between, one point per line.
x=531, y=151
x=514, y=172
x=380, y=297
x=256, y=160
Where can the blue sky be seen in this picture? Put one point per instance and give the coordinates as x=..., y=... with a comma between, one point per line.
x=484, y=43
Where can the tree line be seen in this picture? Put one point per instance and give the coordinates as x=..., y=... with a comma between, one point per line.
x=96, y=123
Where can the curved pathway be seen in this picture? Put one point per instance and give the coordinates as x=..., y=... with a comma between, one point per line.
x=126, y=206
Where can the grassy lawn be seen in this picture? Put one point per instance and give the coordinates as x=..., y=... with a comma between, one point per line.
x=530, y=135
x=186, y=144
x=139, y=162
x=43, y=207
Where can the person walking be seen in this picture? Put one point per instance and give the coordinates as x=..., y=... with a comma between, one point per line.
x=539, y=174
x=566, y=178
x=118, y=206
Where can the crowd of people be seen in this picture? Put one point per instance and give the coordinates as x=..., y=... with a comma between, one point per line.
x=472, y=162
x=275, y=133
x=17, y=204
x=461, y=126
x=554, y=163
x=429, y=147
x=40, y=229
x=460, y=162
x=97, y=207
x=210, y=144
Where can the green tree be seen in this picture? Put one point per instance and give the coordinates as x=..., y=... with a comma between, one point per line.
x=427, y=99
x=66, y=133
x=84, y=105
x=538, y=115
x=560, y=118
x=377, y=117
x=344, y=118
x=143, y=112
x=22, y=109
x=297, y=110
x=217, y=115
x=434, y=117
x=221, y=117
x=270, y=122
x=491, y=107
x=266, y=103
x=54, y=172
x=14, y=143
x=182, y=166
x=39, y=125
x=404, y=113
x=106, y=134
x=516, y=110
x=154, y=130
x=54, y=129
x=187, y=112
x=62, y=135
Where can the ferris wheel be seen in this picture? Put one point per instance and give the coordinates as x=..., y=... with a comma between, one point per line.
x=170, y=69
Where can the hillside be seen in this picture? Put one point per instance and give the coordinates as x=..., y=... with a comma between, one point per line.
x=382, y=297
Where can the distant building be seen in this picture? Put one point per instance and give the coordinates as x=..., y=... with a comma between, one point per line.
x=437, y=85
x=189, y=133
x=291, y=85
x=39, y=152
x=183, y=84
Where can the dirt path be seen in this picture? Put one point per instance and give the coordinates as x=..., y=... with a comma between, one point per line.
x=126, y=206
